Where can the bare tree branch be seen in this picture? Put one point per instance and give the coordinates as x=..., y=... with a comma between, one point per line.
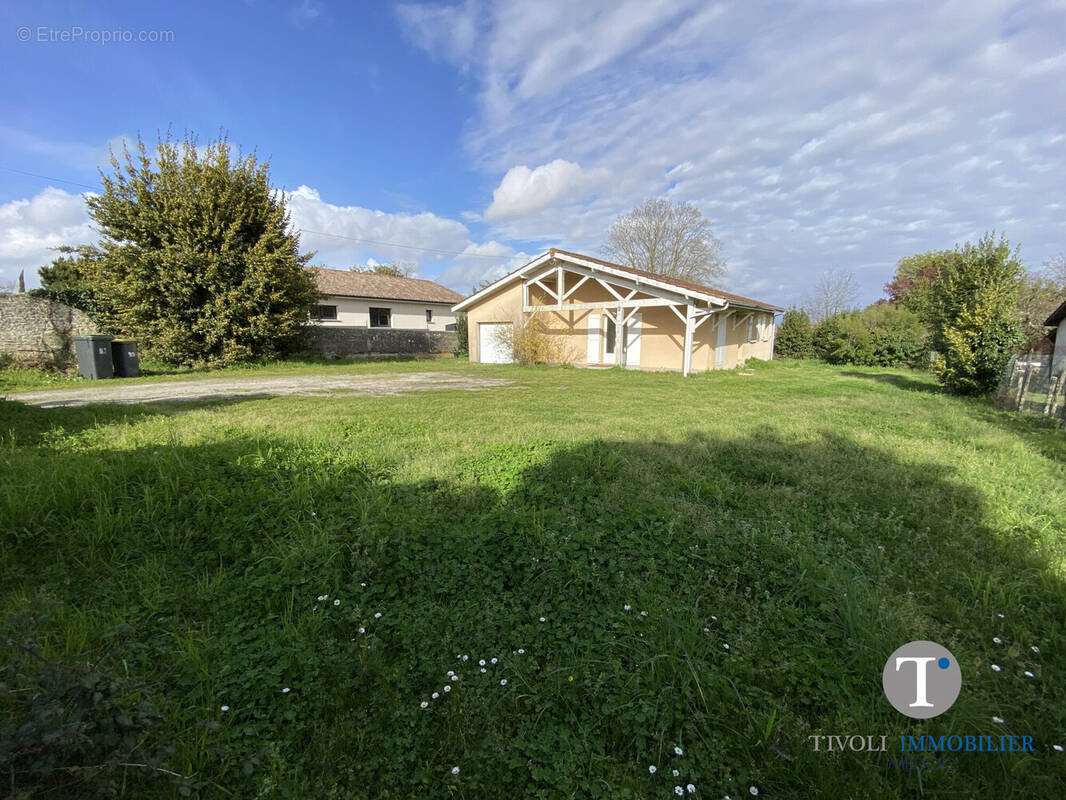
x=835, y=290
x=671, y=239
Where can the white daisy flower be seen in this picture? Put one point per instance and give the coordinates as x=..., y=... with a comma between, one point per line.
x=503, y=682
x=1028, y=674
x=644, y=613
x=377, y=615
x=678, y=751
x=455, y=677
x=286, y=690
x=362, y=629
x=363, y=584
x=521, y=652
x=543, y=619
x=753, y=791
x=706, y=630
x=997, y=668
x=714, y=617
x=224, y=709
x=455, y=770
x=691, y=788
x=652, y=769
x=627, y=607
x=1057, y=748
x=435, y=695
x=447, y=687
x=725, y=646
x=450, y=673
x=483, y=670
x=466, y=658
x=424, y=704
x=1035, y=649
x=336, y=602
x=1001, y=616
x=679, y=791
x=998, y=720
x=481, y=662
x=494, y=660
x=677, y=773
x=997, y=640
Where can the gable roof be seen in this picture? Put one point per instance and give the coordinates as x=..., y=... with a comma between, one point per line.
x=652, y=279
x=347, y=283
x=1057, y=316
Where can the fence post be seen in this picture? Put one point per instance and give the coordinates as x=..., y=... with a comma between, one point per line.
x=1054, y=390
x=1023, y=387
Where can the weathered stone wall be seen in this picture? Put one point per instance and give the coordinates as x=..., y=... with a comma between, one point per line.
x=38, y=329
x=338, y=342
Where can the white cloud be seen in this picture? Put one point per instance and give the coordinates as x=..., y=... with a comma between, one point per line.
x=332, y=231
x=482, y=262
x=931, y=123
x=30, y=228
x=524, y=190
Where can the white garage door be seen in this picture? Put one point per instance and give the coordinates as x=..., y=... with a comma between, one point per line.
x=493, y=351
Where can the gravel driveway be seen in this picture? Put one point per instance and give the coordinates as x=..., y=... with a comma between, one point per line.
x=212, y=388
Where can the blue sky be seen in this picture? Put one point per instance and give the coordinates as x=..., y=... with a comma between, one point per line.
x=813, y=135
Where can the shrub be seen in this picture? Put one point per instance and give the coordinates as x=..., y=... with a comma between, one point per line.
x=795, y=337
x=972, y=313
x=462, y=328
x=81, y=729
x=882, y=335
x=530, y=342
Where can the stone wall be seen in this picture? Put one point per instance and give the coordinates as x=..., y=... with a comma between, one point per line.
x=36, y=329
x=339, y=342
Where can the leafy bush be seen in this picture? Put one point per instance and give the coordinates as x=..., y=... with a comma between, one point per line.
x=795, y=337
x=880, y=336
x=972, y=312
x=76, y=729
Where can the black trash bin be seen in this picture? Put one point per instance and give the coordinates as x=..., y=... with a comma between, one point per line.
x=124, y=355
x=94, y=356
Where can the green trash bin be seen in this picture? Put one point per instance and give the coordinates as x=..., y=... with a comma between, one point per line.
x=94, y=356
x=124, y=356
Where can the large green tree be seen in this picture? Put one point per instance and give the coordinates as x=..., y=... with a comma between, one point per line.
x=196, y=256
x=972, y=315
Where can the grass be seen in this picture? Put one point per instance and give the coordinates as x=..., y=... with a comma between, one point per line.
x=811, y=518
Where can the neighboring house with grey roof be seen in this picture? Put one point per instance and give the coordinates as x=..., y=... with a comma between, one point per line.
x=367, y=300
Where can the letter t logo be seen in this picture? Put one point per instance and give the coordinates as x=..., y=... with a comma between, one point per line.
x=920, y=664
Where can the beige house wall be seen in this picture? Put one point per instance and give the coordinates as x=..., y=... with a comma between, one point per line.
x=662, y=332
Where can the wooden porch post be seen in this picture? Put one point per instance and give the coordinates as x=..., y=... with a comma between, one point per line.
x=619, y=337
x=690, y=328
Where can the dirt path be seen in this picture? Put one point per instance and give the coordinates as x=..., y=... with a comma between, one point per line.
x=211, y=388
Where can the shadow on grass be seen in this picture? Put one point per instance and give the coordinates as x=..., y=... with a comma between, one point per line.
x=904, y=382
x=812, y=561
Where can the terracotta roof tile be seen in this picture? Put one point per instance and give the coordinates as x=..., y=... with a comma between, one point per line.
x=347, y=283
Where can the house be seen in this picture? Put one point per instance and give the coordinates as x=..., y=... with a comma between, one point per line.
x=363, y=314
x=604, y=313
x=1057, y=320
x=367, y=300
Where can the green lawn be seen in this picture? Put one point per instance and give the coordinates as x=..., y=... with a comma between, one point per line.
x=774, y=536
